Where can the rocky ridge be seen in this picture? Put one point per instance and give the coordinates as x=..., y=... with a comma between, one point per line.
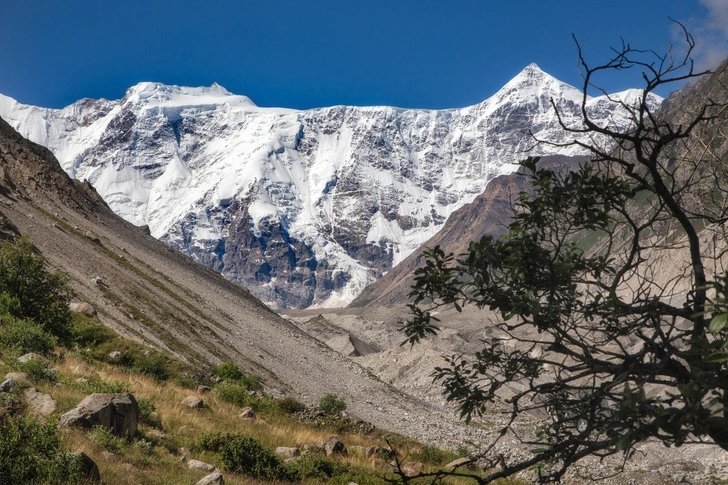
x=304, y=208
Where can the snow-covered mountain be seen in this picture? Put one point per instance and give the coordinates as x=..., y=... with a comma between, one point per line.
x=305, y=208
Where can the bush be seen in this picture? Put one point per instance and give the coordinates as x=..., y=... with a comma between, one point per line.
x=37, y=371
x=246, y=455
x=431, y=455
x=240, y=394
x=229, y=371
x=316, y=467
x=32, y=292
x=86, y=332
x=104, y=437
x=214, y=441
x=153, y=365
x=148, y=413
x=24, y=335
x=331, y=405
x=30, y=453
x=288, y=405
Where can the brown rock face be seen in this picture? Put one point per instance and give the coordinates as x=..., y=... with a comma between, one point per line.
x=118, y=412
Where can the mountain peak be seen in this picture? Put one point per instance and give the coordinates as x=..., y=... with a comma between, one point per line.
x=156, y=93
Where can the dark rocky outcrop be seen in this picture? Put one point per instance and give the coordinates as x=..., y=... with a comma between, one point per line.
x=117, y=412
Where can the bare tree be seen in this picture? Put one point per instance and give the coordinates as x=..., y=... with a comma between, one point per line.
x=610, y=280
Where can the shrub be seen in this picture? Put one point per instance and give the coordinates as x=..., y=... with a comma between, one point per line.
x=246, y=455
x=104, y=437
x=153, y=365
x=24, y=335
x=144, y=446
x=431, y=455
x=316, y=467
x=331, y=405
x=148, y=413
x=239, y=394
x=37, y=371
x=30, y=453
x=32, y=292
x=86, y=332
x=214, y=441
x=288, y=405
x=229, y=371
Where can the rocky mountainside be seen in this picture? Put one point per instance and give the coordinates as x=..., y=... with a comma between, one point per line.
x=304, y=208
x=147, y=291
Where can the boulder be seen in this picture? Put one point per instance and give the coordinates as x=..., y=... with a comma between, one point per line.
x=412, y=468
x=18, y=376
x=200, y=465
x=193, y=402
x=211, y=479
x=118, y=412
x=83, y=308
x=333, y=446
x=32, y=356
x=247, y=413
x=115, y=355
x=89, y=469
x=286, y=452
x=40, y=405
x=203, y=389
x=156, y=435
x=8, y=385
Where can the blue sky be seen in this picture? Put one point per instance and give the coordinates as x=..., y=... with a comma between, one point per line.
x=311, y=53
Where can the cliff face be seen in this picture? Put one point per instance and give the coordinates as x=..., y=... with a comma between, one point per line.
x=305, y=208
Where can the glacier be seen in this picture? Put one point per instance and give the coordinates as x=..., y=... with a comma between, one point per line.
x=303, y=207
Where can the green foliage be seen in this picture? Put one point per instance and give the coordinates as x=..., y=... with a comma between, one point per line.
x=33, y=292
x=144, y=446
x=148, y=413
x=228, y=370
x=317, y=467
x=37, y=370
x=431, y=455
x=214, y=441
x=87, y=332
x=21, y=336
x=289, y=405
x=331, y=405
x=246, y=455
x=31, y=453
x=154, y=365
x=105, y=438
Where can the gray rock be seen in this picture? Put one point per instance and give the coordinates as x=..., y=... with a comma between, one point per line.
x=203, y=389
x=8, y=385
x=333, y=446
x=32, y=356
x=115, y=355
x=89, y=469
x=40, y=405
x=83, y=308
x=211, y=479
x=156, y=434
x=193, y=402
x=200, y=465
x=18, y=376
x=286, y=452
x=118, y=412
x=247, y=413
x=92, y=236
x=412, y=468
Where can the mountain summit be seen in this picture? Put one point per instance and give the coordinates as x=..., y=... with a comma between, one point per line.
x=305, y=208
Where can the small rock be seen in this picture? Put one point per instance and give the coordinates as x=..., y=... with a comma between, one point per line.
x=286, y=452
x=680, y=478
x=92, y=236
x=83, y=308
x=333, y=446
x=107, y=455
x=193, y=402
x=18, y=376
x=41, y=405
x=33, y=356
x=203, y=389
x=200, y=465
x=183, y=458
x=412, y=468
x=247, y=413
x=8, y=385
x=211, y=479
x=156, y=434
x=115, y=355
